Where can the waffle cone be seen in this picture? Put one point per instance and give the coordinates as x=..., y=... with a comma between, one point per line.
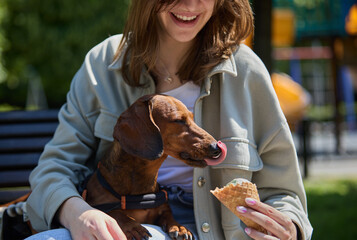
x=234, y=195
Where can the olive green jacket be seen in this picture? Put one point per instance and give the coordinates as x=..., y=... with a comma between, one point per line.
x=237, y=105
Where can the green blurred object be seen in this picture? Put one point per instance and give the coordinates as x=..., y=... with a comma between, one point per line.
x=332, y=207
x=48, y=40
x=318, y=18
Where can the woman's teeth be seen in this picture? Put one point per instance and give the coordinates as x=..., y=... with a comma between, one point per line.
x=185, y=18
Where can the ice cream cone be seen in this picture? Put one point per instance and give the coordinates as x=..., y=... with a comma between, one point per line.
x=234, y=194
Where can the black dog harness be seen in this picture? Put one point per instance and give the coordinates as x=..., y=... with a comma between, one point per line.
x=150, y=200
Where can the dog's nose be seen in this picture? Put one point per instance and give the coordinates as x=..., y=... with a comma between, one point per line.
x=214, y=150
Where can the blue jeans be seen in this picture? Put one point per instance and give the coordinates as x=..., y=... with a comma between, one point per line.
x=181, y=204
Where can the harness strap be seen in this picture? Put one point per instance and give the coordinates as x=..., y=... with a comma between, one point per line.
x=106, y=185
x=156, y=200
x=144, y=201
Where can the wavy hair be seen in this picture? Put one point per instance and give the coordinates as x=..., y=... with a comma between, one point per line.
x=231, y=22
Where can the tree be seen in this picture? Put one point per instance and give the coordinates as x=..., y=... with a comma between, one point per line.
x=48, y=40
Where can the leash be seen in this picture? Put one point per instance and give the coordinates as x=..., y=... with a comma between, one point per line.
x=144, y=201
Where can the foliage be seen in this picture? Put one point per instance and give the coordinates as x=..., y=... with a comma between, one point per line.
x=48, y=40
x=3, y=42
x=332, y=208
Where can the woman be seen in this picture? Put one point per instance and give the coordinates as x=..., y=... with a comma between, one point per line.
x=189, y=49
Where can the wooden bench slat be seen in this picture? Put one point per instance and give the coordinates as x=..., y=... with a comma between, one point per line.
x=29, y=116
x=10, y=195
x=29, y=129
x=23, y=135
x=23, y=144
x=18, y=160
x=14, y=178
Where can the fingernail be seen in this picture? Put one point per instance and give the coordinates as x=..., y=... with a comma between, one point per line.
x=241, y=209
x=250, y=201
x=248, y=230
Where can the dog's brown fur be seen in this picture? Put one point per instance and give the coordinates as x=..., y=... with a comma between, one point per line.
x=152, y=128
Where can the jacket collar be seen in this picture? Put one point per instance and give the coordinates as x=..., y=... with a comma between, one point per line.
x=226, y=66
x=117, y=63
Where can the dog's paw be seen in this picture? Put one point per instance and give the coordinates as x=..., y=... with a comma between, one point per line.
x=136, y=232
x=180, y=233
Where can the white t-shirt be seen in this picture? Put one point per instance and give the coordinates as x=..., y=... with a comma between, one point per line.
x=174, y=172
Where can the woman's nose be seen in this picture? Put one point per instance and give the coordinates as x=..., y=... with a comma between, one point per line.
x=189, y=5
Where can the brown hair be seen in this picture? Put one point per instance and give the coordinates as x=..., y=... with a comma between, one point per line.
x=231, y=22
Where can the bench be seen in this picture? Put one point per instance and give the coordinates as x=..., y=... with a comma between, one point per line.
x=23, y=135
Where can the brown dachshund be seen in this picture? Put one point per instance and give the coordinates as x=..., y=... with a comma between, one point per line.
x=152, y=128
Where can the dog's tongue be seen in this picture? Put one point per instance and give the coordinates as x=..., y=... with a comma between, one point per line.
x=215, y=161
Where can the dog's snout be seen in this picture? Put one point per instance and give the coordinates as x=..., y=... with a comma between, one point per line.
x=214, y=150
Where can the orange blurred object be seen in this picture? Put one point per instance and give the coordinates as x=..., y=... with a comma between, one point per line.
x=283, y=27
x=351, y=21
x=293, y=98
x=249, y=41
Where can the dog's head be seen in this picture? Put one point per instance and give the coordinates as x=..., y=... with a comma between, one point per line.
x=157, y=124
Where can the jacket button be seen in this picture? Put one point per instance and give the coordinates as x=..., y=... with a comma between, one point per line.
x=205, y=227
x=201, y=181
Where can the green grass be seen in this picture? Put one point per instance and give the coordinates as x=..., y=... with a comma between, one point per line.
x=332, y=207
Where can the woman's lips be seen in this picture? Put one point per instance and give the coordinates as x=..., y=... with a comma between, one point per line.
x=216, y=161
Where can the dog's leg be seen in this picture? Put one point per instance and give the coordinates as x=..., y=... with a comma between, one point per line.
x=175, y=230
x=131, y=228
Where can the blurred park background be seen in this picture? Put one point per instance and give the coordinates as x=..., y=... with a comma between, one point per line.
x=309, y=47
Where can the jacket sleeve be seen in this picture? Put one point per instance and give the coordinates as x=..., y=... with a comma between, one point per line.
x=279, y=181
x=65, y=160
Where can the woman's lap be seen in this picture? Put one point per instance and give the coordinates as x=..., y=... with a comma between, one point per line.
x=54, y=234
x=181, y=206
x=63, y=234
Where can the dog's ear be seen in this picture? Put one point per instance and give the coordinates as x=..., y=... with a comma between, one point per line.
x=137, y=132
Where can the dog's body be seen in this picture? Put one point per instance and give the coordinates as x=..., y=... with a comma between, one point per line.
x=152, y=128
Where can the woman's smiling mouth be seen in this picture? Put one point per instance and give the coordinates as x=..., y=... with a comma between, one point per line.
x=184, y=18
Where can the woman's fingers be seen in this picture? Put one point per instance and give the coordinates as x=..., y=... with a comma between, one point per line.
x=116, y=231
x=263, y=220
x=283, y=220
x=102, y=233
x=271, y=219
x=259, y=235
x=106, y=228
x=279, y=217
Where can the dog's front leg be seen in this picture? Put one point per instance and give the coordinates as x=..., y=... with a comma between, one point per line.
x=132, y=229
x=175, y=230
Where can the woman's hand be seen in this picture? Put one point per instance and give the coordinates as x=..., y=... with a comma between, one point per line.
x=85, y=222
x=278, y=225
